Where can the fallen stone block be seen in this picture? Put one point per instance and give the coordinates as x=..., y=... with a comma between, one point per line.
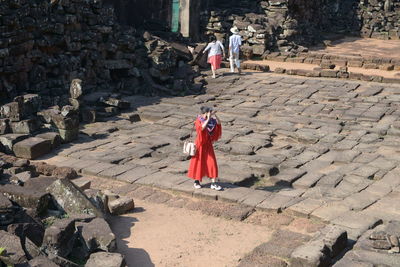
x=8, y=140
x=28, y=197
x=88, y=115
x=33, y=231
x=60, y=261
x=32, y=103
x=132, y=117
x=65, y=123
x=53, y=137
x=43, y=168
x=82, y=184
x=5, y=203
x=5, y=126
x=99, y=199
x=68, y=135
x=12, y=111
x=28, y=126
x=15, y=253
x=21, y=162
x=106, y=259
x=23, y=177
x=97, y=234
x=42, y=261
x=59, y=237
x=71, y=199
x=121, y=205
x=116, y=102
x=64, y=173
x=46, y=115
x=32, y=148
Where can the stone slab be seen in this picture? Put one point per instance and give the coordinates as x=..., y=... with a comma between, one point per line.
x=32, y=148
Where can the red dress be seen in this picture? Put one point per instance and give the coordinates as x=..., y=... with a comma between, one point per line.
x=204, y=162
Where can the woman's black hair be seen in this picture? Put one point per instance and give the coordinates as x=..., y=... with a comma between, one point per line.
x=205, y=109
x=212, y=38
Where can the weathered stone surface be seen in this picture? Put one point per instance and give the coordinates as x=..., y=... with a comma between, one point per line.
x=32, y=148
x=106, y=259
x=32, y=195
x=282, y=244
x=334, y=238
x=97, y=235
x=314, y=253
x=64, y=173
x=28, y=126
x=42, y=261
x=121, y=205
x=8, y=140
x=12, y=111
x=33, y=231
x=53, y=137
x=82, y=184
x=59, y=237
x=5, y=204
x=5, y=126
x=71, y=199
x=14, y=249
x=75, y=89
x=288, y=177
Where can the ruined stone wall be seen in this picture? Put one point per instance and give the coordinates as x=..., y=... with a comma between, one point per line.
x=380, y=18
x=287, y=25
x=45, y=44
x=149, y=14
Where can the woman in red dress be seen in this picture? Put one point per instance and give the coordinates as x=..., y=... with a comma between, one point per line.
x=204, y=163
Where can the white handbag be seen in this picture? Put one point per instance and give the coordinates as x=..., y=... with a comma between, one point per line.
x=189, y=147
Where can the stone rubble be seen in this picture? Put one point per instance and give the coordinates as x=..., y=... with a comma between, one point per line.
x=83, y=44
x=50, y=221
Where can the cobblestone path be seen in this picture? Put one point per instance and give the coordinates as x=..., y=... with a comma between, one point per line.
x=319, y=148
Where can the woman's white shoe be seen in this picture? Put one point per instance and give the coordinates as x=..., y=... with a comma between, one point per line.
x=197, y=185
x=215, y=187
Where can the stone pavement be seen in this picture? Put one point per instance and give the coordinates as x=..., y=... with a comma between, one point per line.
x=321, y=148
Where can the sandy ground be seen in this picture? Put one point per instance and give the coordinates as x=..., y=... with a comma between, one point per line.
x=350, y=46
x=158, y=235
x=362, y=46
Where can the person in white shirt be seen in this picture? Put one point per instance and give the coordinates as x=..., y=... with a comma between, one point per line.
x=235, y=41
x=216, y=49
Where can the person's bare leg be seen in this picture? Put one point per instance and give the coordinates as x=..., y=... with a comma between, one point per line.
x=213, y=71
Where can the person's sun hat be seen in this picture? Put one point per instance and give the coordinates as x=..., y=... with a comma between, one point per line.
x=234, y=29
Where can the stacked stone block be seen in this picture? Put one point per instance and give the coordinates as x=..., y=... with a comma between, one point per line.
x=44, y=45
